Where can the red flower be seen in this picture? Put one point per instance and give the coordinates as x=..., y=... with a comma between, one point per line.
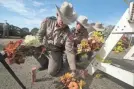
x=43, y=49
x=20, y=41
x=22, y=46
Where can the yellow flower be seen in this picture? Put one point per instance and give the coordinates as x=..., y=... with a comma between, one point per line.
x=84, y=43
x=62, y=78
x=68, y=75
x=79, y=51
x=81, y=84
x=98, y=75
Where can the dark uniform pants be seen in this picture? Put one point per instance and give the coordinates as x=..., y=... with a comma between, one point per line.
x=53, y=61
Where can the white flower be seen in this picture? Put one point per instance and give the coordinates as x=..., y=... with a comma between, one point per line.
x=31, y=41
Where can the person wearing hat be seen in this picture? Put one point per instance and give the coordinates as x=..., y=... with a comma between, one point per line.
x=97, y=27
x=80, y=32
x=55, y=35
x=5, y=29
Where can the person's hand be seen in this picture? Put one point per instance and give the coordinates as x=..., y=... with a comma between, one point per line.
x=73, y=73
x=83, y=73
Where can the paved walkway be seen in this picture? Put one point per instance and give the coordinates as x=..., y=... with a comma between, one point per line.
x=45, y=81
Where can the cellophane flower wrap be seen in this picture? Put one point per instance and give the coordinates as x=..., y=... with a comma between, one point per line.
x=31, y=41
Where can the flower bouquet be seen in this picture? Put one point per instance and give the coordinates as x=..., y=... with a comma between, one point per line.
x=10, y=50
x=93, y=43
x=69, y=82
x=83, y=48
x=17, y=51
x=31, y=41
x=121, y=45
x=96, y=40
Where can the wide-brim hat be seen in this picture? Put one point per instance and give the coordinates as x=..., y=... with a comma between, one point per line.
x=90, y=28
x=67, y=13
x=83, y=20
x=98, y=27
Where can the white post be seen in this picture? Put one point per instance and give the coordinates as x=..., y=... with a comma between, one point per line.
x=111, y=41
x=124, y=25
x=130, y=54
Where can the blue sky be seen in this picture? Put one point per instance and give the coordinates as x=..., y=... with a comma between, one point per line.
x=30, y=13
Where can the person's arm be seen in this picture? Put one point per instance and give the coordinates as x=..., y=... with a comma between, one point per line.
x=42, y=31
x=69, y=50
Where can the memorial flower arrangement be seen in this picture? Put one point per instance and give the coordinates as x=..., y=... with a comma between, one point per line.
x=96, y=40
x=17, y=51
x=70, y=82
x=31, y=41
x=10, y=49
x=83, y=46
x=121, y=45
x=93, y=43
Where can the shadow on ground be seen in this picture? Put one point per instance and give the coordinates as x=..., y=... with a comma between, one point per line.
x=43, y=79
x=124, y=85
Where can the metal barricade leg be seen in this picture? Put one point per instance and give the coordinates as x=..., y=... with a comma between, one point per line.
x=2, y=60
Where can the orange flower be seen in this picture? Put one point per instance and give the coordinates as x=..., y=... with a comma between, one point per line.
x=73, y=85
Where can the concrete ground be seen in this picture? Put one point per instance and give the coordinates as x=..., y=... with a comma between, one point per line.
x=45, y=81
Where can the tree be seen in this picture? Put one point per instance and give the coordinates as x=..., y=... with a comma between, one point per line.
x=14, y=30
x=1, y=29
x=34, y=31
x=24, y=31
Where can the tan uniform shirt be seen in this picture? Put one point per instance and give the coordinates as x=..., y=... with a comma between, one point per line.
x=51, y=34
